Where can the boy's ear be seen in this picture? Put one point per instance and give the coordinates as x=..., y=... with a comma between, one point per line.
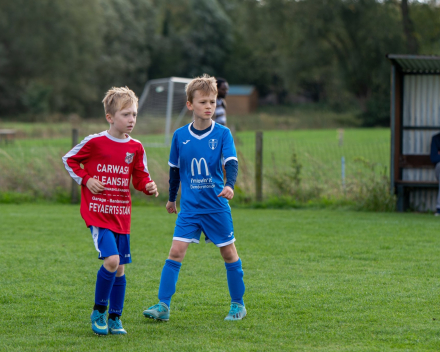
x=189, y=105
x=109, y=118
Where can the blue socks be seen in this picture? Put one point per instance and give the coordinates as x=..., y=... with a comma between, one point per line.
x=170, y=274
x=104, y=284
x=234, y=273
x=168, y=280
x=117, y=296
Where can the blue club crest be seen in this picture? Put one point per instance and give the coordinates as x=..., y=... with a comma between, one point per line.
x=213, y=143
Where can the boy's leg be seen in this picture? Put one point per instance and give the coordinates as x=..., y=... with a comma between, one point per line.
x=170, y=271
x=187, y=231
x=104, y=284
x=219, y=229
x=437, y=175
x=105, y=244
x=234, y=273
x=168, y=281
x=117, y=297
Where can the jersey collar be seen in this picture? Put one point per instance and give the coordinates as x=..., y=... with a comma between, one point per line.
x=203, y=135
x=118, y=140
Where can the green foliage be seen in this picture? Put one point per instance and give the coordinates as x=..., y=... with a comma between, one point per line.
x=61, y=56
x=287, y=182
x=373, y=188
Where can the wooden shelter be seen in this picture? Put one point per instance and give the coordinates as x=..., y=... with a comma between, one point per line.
x=241, y=100
x=415, y=118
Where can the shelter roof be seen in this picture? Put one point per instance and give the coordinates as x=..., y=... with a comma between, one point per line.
x=416, y=63
x=240, y=89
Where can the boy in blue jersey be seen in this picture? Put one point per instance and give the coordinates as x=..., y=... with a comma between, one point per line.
x=198, y=152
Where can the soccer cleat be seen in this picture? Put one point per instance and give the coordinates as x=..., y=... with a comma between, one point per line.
x=99, y=323
x=115, y=327
x=160, y=312
x=237, y=312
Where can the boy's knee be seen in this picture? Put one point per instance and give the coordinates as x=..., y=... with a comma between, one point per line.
x=177, y=253
x=229, y=253
x=111, y=263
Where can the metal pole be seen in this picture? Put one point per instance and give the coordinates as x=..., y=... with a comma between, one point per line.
x=343, y=173
x=74, y=197
x=259, y=166
x=393, y=125
x=169, y=111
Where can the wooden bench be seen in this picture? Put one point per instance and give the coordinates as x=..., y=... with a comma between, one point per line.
x=403, y=187
x=7, y=135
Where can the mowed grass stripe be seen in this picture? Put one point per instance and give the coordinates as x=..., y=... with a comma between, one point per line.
x=315, y=281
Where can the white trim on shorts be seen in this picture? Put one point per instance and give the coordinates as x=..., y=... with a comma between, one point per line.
x=95, y=238
x=220, y=244
x=187, y=240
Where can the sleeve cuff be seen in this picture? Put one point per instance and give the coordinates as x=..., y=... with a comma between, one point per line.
x=85, y=179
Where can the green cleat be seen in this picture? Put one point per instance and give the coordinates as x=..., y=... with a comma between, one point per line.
x=159, y=312
x=237, y=312
x=115, y=327
x=99, y=323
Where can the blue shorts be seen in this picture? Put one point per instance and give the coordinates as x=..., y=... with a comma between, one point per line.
x=109, y=243
x=217, y=227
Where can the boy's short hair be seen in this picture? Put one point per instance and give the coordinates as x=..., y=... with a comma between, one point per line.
x=220, y=81
x=205, y=83
x=117, y=99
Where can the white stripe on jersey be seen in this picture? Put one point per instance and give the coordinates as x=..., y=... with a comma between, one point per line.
x=230, y=158
x=75, y=151
x=144, y=159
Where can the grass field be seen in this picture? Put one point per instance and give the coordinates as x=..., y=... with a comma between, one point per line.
x=315, y=281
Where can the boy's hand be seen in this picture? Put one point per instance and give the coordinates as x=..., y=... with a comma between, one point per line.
x=227, y=193
x=152, y=188
x=171, y=207
x=95, y=186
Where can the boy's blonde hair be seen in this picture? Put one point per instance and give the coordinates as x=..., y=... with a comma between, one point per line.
x=117, y=99
x=205, y=84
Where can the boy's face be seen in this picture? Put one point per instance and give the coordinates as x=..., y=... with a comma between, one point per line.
x=123, y=121
x=223, y=90
x=203, y=105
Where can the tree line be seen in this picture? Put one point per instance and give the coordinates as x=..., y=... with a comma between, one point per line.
x=61, y=56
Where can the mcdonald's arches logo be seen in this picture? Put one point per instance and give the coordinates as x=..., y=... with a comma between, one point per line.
x=199, y=166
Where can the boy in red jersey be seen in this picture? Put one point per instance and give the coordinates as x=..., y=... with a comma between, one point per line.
x=110, y=159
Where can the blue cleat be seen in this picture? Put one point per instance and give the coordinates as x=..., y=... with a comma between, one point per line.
x=159, y=312
x=115, y=327
x=237, y=312
x=99, y=323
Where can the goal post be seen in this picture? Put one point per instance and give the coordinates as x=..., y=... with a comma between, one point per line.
x=162, y=108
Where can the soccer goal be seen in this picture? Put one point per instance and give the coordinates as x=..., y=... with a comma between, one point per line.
x=162, y=109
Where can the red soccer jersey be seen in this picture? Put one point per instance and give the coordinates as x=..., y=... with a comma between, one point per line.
x=112, y=161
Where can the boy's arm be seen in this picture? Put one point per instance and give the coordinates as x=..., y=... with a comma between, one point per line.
x=231, y=165
x=141, y=177
x=231, y=168
x=174, y=188
x=73, y=159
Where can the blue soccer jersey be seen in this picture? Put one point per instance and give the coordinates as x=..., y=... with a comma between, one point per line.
x=200, y=159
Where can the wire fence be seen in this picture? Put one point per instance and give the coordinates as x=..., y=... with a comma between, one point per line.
x=319, y=163
x=330, y=162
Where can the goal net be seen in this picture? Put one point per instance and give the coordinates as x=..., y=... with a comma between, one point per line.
x=162, y=109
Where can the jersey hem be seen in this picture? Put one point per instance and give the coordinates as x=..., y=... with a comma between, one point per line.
x=105, y=226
